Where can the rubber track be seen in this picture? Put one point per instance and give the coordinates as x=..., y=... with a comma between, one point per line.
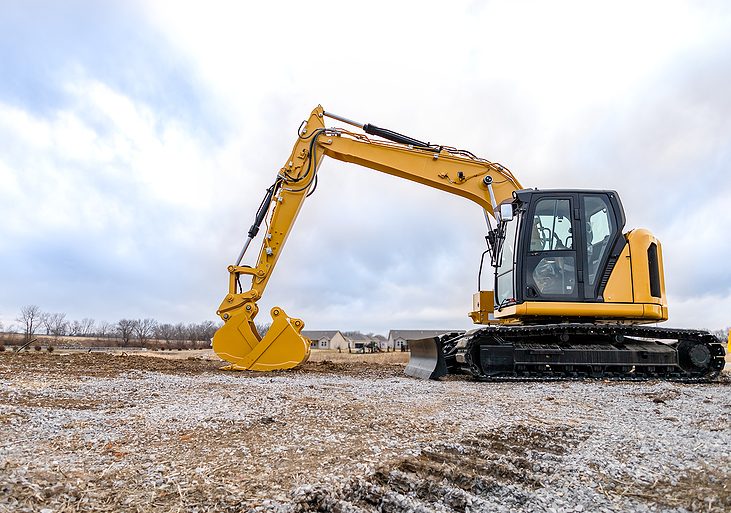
x=551, y=333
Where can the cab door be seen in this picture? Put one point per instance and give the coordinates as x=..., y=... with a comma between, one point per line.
x=600, y=233
x=551, y=268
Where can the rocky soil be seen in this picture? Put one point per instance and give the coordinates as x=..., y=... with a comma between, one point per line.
x=99, y=432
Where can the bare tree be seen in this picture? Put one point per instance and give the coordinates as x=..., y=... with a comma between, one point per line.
x=125, y=329
x=87, y=327
x=44, y=321
x=186, y=333
x=30, y=317
x=165, y=332
x=263, y=327
x=207, y=330
x=74, y=328
x=103, y=329
x=180, y=332
x=55, y=324
x=200, y=334
x=144, y=329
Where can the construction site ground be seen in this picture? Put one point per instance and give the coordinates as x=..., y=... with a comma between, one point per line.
x=348, y=433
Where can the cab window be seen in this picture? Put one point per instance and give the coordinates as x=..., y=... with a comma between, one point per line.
x=551, y=229
x=504, y=282
x=550, y=266
x=599, y=227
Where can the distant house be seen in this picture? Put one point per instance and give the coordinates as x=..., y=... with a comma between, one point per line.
x=331, y=339
x=398, y=339
x=361, y=342
x=381, y=342
x=358, y=341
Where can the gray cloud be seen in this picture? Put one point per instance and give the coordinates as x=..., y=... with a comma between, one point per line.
x=130, y=167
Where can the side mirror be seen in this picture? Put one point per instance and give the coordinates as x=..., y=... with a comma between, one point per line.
x=506, y=212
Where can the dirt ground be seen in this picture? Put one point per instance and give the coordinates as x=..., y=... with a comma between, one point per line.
x=348, y=433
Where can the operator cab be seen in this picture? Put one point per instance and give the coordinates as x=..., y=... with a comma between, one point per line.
x=558, y=246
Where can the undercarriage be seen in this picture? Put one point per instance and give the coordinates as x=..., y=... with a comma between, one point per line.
x=571, y=351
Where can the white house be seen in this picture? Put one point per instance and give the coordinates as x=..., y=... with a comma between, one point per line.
x=358, y=341
x=328, y=339
x=399, y=339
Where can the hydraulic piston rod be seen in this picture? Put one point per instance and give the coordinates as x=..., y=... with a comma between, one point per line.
x=382, y=132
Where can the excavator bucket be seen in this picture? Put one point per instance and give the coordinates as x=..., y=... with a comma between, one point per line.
x=427, y=359
x=283, y=346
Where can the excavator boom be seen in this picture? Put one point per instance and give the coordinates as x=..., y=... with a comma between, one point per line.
x=448, y=169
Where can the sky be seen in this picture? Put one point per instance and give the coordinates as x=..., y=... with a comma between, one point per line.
x=137, y=138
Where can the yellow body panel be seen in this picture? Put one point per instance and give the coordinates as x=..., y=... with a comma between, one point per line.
x=639, y=240
x=605, y=311
x=619, y=286
x=630, y=278
x=483, y=306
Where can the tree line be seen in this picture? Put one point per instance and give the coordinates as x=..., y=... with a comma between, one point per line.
x=55, y=327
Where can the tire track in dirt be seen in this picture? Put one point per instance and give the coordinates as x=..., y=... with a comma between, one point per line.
x=496, y=470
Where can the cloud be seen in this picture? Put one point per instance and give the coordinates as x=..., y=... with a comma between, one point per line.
x=92, y=212
x=136, y=141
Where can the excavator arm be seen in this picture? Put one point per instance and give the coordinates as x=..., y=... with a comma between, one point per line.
x=445, y=168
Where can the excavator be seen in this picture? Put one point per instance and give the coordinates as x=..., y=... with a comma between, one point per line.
x=573, y=296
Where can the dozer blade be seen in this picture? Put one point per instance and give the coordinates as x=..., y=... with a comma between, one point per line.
x=283, y=347
x=427, y=359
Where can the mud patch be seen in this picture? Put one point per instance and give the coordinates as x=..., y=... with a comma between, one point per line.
x=111, y=365
x=96, y=364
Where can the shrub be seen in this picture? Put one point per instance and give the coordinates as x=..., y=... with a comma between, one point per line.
x=49, y=349
x=2, y=348
x=37, y=348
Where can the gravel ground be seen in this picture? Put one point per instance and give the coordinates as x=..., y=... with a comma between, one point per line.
x=96, y=432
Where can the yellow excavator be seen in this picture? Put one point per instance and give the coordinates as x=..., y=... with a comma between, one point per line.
x=572, y=294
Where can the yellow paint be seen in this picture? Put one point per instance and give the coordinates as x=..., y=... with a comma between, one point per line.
x=619, y=286
x=600, y=311
x=630, y=278
x=283, y=347
x=639, y=241
x=483, y=305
